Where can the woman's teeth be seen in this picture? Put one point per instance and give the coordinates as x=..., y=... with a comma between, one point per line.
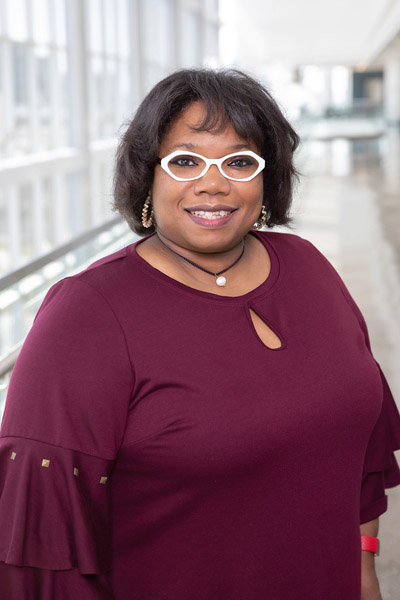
x=210, y=215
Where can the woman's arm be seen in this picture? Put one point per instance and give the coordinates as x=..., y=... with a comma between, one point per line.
x=369, y=581
x=64, y=420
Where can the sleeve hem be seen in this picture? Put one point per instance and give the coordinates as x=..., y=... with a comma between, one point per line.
x=374, y=511
x=54, y=508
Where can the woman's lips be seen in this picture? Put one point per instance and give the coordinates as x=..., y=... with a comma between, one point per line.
x=210, y=218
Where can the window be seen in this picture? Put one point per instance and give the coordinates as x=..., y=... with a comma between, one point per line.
x=71, y=73
x=108, y=50
x=35, y=72
x=157, y=40
x=190, y=37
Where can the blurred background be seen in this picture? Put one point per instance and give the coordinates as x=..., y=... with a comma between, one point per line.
x=72, y=73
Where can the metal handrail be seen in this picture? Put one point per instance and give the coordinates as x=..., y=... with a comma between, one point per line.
x=12, y=277
x=8, y=361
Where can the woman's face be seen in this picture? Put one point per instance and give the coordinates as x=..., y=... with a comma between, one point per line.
x=175, y=201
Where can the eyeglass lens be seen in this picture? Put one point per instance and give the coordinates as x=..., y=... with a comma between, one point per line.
x=187, y=166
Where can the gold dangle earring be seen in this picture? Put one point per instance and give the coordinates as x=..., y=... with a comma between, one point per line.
x=147, y=221
x=262, y=219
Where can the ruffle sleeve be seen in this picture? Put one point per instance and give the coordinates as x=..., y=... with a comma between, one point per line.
x=63, y=424
x=54, y=507
x=381, y=470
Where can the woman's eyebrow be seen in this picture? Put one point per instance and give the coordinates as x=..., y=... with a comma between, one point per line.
x=190, y=146
x=183, y=145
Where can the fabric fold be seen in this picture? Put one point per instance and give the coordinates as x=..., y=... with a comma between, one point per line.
x=384, y=440
x=54, y=507
x=381, y=469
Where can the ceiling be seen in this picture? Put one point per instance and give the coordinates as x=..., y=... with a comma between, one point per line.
x=331, y=32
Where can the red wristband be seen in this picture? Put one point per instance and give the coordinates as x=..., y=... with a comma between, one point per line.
x=370, y=544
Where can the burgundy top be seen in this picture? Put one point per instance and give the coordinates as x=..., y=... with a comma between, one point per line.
x=153, y=448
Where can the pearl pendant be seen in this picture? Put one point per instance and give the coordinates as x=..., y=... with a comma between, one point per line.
x=221, y=281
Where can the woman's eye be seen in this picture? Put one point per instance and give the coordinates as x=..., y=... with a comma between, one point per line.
x=240, y=162
x=184, y=161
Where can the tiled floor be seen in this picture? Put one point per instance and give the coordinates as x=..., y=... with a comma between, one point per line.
x=348, y=205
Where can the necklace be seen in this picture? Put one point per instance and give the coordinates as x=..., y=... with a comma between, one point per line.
x=221, y=281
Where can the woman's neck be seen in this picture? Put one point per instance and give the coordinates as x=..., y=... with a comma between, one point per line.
x=247, y=274
x=214, y=262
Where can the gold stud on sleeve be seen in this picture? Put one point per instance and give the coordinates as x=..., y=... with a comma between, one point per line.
x=45, y=462
x=76, y=472
x=13, y=455
x=103, y=479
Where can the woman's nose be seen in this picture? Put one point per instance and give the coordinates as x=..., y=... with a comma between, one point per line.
x=212, y=182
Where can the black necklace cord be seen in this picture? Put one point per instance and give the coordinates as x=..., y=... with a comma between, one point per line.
x=199, y=266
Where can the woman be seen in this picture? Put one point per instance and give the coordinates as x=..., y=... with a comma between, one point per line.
x=196, y=416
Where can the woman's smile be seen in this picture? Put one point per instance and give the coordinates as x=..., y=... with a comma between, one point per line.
x=210, y=216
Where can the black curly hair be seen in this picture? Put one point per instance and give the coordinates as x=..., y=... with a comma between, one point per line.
x=230, y=97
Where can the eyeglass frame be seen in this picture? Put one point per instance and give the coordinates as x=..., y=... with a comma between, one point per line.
x=212, y=161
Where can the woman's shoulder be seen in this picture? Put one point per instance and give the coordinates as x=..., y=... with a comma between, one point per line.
x=290, y=243
x=101, y=286
x=301, y=256
x=111, y=272
x=304, y=260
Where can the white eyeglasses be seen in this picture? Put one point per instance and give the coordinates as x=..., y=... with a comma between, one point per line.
x=187, y=166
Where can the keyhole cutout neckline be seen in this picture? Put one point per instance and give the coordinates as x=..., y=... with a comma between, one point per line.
x=264, y=332
x=265, y=238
